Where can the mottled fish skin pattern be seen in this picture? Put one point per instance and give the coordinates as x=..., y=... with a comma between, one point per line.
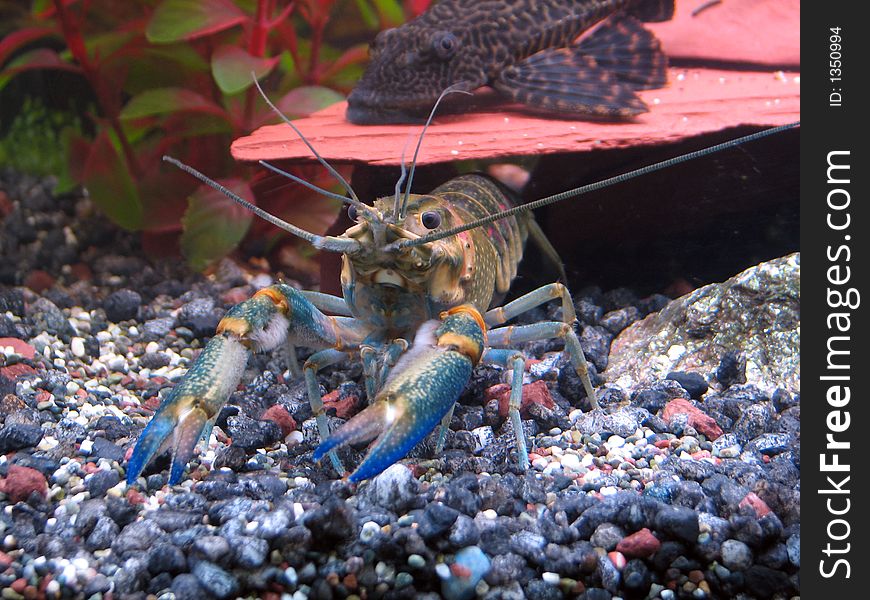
x=469, y=44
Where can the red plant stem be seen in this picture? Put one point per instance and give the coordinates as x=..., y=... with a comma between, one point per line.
x=109, y=105
x=257, y=48
x=316, y=39
x=288, y=34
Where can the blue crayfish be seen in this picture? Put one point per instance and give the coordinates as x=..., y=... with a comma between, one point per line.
x=425, y=267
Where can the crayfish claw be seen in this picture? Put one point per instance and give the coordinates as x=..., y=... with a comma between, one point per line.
x=189, y=407
x=168, y=429
x=364, y=426
x=421, y=390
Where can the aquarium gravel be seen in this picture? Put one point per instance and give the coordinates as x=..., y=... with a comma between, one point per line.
x=685, y=488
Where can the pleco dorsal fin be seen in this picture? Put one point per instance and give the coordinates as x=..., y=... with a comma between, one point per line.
x=596, y=77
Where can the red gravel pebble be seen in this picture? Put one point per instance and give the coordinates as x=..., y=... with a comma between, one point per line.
x=279, y=415
x=20, y=482
x=698, y=419
x=345, y=407
x=533, y=393
x=759, y=505
x=641, y=544
x=39, y=281
x=20, y=346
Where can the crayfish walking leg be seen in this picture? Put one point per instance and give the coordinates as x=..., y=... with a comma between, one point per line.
x=272, y=316
x=501, y=338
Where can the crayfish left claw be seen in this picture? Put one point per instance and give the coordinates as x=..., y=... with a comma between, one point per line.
x=424, y=385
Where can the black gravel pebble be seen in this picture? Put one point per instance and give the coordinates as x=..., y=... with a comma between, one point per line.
x=101, y=481
x=122, y=305
x=15, y=436
x=186, y=587
x=693, y=383
x=215, y=580
x=731, y=369
x=104, y=448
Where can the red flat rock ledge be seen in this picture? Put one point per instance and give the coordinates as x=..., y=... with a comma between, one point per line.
x=697, y=101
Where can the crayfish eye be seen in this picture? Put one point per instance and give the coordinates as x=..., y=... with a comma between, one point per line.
x=445, y=44
x=430, y=219
x=352, y=213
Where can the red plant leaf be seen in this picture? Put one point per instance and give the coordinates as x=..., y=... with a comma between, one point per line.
x=214, y=224
x=232, y=66
x=163, y=101
x=41, y=58
x=176, y=20
x=110, y=185
x=417, y=7
x=18, y=39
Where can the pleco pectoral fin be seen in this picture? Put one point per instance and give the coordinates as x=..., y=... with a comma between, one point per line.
x=597, y=77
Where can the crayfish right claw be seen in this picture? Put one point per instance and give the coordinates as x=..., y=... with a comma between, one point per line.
x=168, y=430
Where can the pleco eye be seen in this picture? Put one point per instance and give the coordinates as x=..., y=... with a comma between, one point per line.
x=445, y=44
x=351, y=212
x=430, y=219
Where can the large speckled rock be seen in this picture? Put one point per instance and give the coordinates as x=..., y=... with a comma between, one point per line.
x=755, y=313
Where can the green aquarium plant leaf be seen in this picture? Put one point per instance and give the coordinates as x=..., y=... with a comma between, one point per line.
x=232, y=66
x=162, y=101
x=176, y=20
x=213, y=224
x=307, y=99
x=109, y=184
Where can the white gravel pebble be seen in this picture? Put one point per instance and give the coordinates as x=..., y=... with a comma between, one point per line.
x=571, y=461
x=550, y=577
x=77, y=345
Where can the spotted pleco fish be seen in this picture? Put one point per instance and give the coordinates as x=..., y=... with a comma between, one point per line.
x=530, y=51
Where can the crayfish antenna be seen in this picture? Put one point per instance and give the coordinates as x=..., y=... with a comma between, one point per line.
x=321, y=242
x=450, y=90
x=585, y=189
x=353, y=197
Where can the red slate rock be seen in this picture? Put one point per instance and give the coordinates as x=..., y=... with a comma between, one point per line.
x=20, y=346
x=759, y=505
x=345, y=406
x=533, y=393
x=728, y=31
x=640, y=544
x=20, y=482
x=283, y=419
x=702, y=422
x=696, y=101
